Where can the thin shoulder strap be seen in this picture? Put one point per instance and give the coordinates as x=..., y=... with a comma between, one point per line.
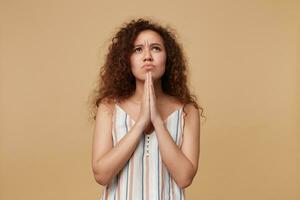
x=113, y=123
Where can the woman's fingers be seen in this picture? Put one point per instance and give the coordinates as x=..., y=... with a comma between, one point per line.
x=152, y=87
x=148, y=96
x=145, y=89
x=149, y=82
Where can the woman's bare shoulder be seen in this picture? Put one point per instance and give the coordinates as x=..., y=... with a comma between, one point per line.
x=107, y=106
x=191, y=111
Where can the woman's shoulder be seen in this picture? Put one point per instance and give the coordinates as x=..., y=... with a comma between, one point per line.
x=107, y=105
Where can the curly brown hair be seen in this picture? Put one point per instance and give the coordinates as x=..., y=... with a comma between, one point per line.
x=116, y=81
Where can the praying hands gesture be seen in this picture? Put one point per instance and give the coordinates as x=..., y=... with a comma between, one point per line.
x=149, y=115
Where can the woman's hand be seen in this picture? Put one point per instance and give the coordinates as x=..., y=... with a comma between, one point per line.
x=154, y=113
x=149, y=115
x=144, y=115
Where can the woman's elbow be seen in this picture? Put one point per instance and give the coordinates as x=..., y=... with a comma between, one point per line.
x=100, y=176
x=101, y=180
x=187, y=180
x=185, y=183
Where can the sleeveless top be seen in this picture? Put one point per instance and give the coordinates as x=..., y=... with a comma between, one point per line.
x=144, y=176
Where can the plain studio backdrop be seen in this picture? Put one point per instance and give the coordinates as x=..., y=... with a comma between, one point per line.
x=243, y=64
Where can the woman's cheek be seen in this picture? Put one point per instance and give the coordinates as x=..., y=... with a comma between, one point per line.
x=137, y=73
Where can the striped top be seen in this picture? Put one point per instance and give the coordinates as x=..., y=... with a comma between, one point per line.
x=144, y=176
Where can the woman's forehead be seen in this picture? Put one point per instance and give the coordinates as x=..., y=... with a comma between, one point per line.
x=148, y=37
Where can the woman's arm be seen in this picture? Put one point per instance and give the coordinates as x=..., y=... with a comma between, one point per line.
x=107, y=160
x=181, y=163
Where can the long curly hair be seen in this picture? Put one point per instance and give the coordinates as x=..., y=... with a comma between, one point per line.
x=116, y=81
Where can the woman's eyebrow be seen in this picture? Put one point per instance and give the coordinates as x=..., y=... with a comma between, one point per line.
x=150, y=44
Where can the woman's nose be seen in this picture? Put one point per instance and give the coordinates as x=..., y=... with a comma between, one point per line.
x=147, y=55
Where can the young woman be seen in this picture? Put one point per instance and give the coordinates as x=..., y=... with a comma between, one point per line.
x=146, y=140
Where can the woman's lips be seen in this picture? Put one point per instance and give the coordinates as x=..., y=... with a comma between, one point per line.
x=148, y=66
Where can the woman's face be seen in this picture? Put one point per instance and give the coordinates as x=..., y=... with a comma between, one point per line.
x=148, y=54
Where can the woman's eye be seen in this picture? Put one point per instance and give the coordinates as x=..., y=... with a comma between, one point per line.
x=156, y=48
x=137, y=49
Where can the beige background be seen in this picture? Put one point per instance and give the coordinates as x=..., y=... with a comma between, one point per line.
x=244, y=67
